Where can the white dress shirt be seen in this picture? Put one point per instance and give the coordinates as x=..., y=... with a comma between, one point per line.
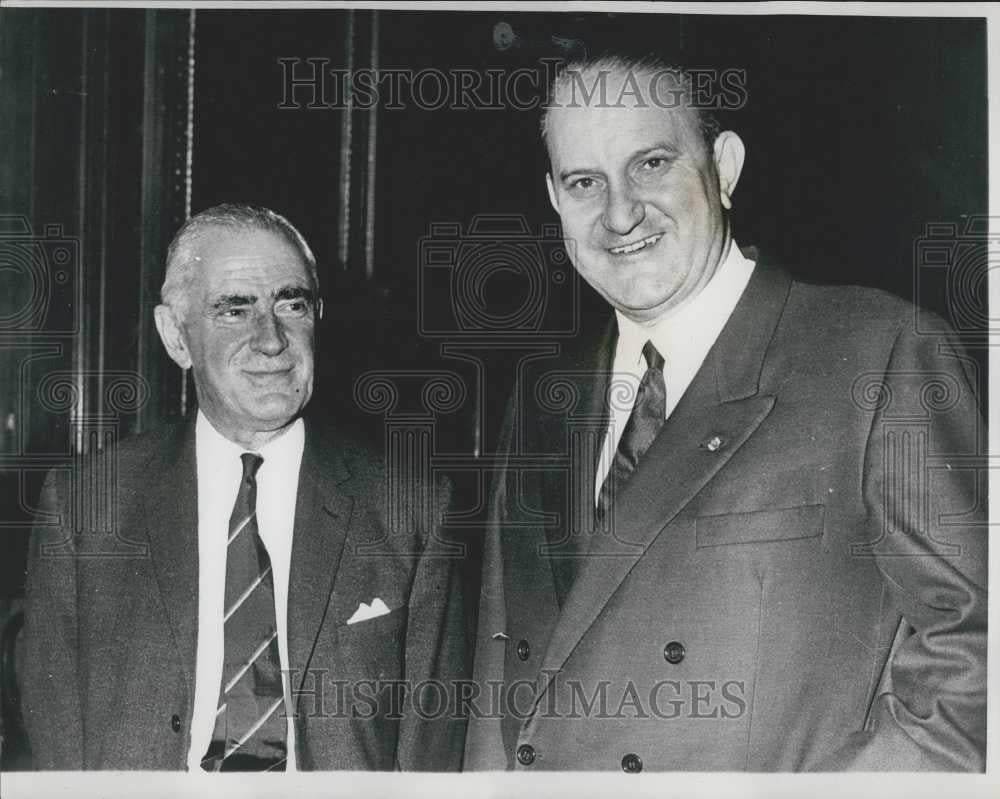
x=219, y=473
x=683, y=336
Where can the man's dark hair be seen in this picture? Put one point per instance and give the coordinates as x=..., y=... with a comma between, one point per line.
x=653, y=67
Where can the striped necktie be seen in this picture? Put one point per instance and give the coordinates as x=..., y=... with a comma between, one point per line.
x=644, y=423
x=250, y=731
x=647, y=417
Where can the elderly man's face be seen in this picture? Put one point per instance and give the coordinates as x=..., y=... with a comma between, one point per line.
x=248, y=332
x=640, y=199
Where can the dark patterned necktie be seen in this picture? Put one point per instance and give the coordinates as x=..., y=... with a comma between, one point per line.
x=250, y=731
x=647, y=417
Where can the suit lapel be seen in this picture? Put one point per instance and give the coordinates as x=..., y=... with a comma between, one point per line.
x=322, y=517
x=172, y=518
x=673, y=471
x=720, y=410
x=578, y=432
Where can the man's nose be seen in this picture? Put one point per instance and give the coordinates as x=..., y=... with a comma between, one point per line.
x=624, y=211
x=269, y=335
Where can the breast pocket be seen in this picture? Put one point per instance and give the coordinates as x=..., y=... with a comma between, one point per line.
x=373, y=649
x=760, y=527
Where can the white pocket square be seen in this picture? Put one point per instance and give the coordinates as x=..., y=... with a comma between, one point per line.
x=365, y=611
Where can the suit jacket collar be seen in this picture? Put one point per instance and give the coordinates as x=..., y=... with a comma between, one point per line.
x=322, y=513
x=732, y=368
x=322, y=518
x=719, y=412
x=172, y=519
x=736, y=360
x=573, y=400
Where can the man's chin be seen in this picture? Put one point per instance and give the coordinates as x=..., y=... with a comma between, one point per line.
x=277, y=410
x=642, y=306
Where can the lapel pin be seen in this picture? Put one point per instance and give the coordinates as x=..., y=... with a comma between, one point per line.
x=713, y=443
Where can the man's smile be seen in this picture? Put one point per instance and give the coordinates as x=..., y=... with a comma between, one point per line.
x=265, y=374
x=636, y=246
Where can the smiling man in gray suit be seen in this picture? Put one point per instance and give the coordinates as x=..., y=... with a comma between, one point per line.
x=263, y=609
x=742, y=527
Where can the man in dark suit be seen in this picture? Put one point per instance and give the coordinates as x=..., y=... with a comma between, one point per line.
x=758, y=539
x=255, y=603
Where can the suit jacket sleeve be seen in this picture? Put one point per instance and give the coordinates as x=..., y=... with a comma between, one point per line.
x=50, y=688
x=929, y=707
x=432, y=731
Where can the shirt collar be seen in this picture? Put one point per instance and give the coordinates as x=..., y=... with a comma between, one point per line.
x=278, y=453
x=679, y=327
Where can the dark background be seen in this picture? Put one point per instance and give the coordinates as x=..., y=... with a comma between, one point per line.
x=860, y=133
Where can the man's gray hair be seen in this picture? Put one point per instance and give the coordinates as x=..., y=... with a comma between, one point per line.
x=575, y=72
x=229, y=216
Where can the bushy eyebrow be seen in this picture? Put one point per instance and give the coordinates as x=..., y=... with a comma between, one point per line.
x=295, y=293
x=285, y=293
x=233, y=300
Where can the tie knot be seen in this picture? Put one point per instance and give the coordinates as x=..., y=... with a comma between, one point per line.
x=653, y=358
x=251, y=463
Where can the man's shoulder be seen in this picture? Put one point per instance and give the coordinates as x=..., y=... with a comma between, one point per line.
x=850, y=301
x=368, y=468
x=828, y=299
x=130, y=462
x=587, y=352
x=861, y=314
x=830, y=308
x=860, y=323
x=335, y=445
x=368, y=459
x=142, y=447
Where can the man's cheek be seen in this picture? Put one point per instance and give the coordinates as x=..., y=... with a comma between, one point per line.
x=225, y=350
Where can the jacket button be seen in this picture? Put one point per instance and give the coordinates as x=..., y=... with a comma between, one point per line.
x=674, y=652
x=631, y=764
x=525, y=754
x=523, y=649
x=175, y=723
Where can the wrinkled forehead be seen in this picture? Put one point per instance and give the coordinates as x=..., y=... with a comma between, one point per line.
x=599, y=86
x=620, y=104
x=221, y=257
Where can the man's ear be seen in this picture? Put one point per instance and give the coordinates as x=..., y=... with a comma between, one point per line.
x=319, y=309
x=552, y=191
x=172, y=336
x=729, y=154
